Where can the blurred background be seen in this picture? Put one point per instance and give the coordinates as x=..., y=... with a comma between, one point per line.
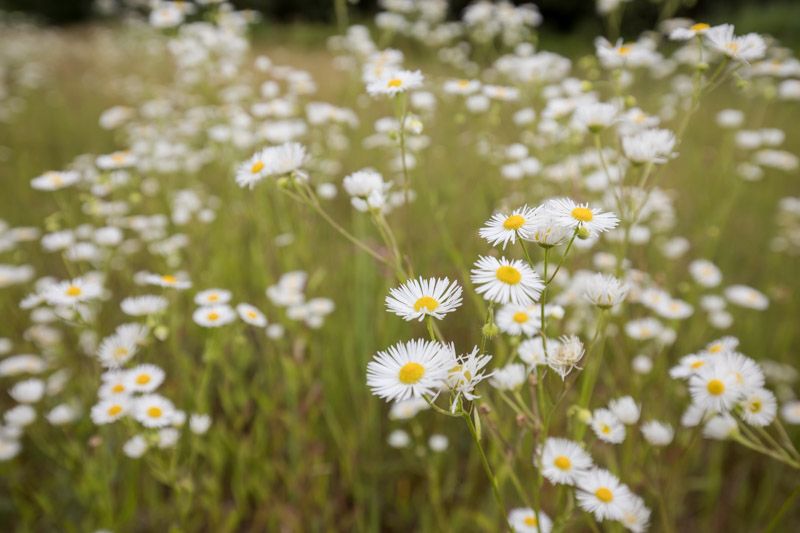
x=779, y=18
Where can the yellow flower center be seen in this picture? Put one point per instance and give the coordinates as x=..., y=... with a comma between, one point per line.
x=700, y=26
x=212, y=316
x=427, y=302
x=715, y=387
x=604, y=495
x=411, y=373
x=520, y=317
x=257, y=167
x=584, y=214
x=530, y=521
x=755, y=406
x=118, y=388
x=697, y=364
x=154, y=412
x=624, y=50
x=114, y=410
x=605, y=429
x=508, y=274
x=732, y=47
x=252, y=314
x=463, y=83
x=74, y=290
x=213, y=297
x=514, y=222
x=56, y=179
x=395, y=82
x=563, y=462
x=143, y=379
x=715, y=348
x=119, y=157
x=169, y=279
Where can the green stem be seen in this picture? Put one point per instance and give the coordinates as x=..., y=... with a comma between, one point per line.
x=485, y=462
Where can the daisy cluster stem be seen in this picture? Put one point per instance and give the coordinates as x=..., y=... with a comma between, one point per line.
x=547, y=280
x=306, y=196
x=485, y=462
x=592, y=369
x=401, y=111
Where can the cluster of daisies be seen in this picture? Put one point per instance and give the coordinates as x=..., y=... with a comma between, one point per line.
x=597, y=491
x=727, y=389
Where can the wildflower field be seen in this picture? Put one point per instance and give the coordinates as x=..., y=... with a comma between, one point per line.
x=417, y=274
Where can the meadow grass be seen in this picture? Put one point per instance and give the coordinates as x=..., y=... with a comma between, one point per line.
x=298, y=442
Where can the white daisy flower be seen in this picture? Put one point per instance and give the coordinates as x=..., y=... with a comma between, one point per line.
x=532, y=350
x=607, y=426
x=70, y=293
x=28, y=390
x=502, y=228
x=412, y=369
x=398, y=439
x=212, y=297
x=20, y=416
x=53, y=180
x=649, y=146
x=745, y=371
x=563, y=461
x=566, y=213
x=144, y=378
x=115, y=384
x=178, y=281
x=721, y=346
x=394, y=82
x=759, y=407
x=595, y=116
x=635, y=514
x=274, y=161
x=523, y=520
x=153, y=410
x=745, y=48
x=110, y=410
x=748, y=297
x=509, y=377
x=465, y=375
x=644, y=329
x=720, y=427
x=688, y=366
x=674, y=309
x=407, y=409
x=705, y=273
x=714, y=388
x=135, y=447
x=145, y=305
x=116, y=160
x=625, y=409
x=685, y=34
x=518, y=319
x=790, y=412
x=506, y=281
x=251, y=315
x=462, y=87
x=214, y=316
x=418, y=298
x=657, y=433
x=116, y=350
x=602, y=494
x=546, y=232
x=565, y=355
x=605, y=291
x=253, y=170
x=9, y=448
